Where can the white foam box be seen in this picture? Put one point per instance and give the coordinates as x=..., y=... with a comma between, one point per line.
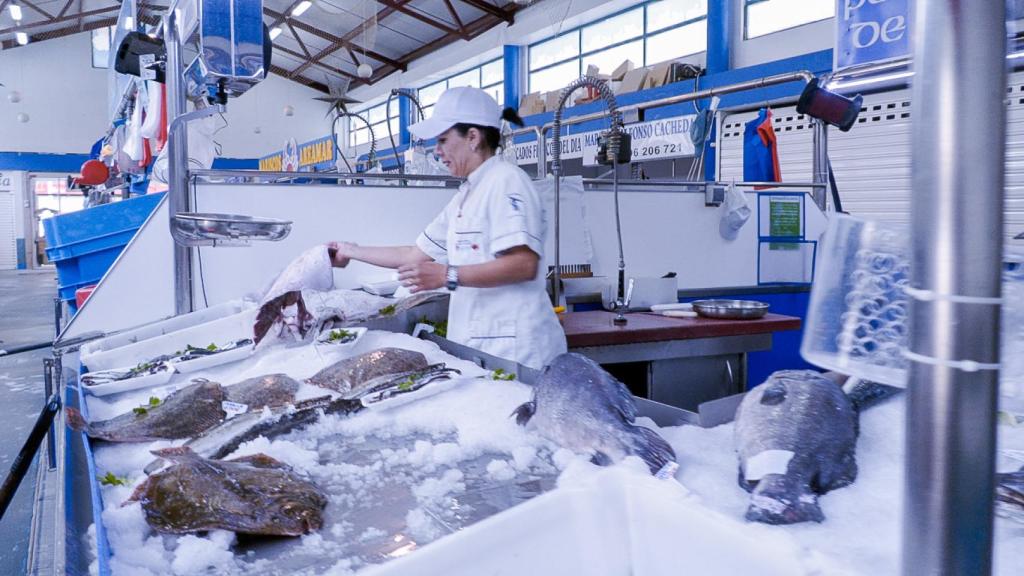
x=620, y=521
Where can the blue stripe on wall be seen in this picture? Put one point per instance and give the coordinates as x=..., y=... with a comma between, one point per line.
x=71, y=163
x=21, y=254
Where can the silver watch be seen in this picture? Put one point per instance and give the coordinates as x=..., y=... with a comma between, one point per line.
x=452, y=277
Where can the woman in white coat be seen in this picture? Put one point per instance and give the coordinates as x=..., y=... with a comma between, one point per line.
x=486, y=246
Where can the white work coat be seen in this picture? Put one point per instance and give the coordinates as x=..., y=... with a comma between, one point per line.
x=496, y=209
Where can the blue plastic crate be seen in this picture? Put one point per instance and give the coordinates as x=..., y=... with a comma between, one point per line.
x=98, y=221
x=83, y=245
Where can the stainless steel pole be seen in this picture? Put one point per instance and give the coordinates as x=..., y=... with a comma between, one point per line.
x=820, y=163
x=177, y=163
x=957, y=235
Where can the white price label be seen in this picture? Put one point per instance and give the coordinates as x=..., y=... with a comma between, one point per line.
x=233, y=408
x=146, y=70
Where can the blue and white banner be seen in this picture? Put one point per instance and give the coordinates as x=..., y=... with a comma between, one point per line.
x=871, y=31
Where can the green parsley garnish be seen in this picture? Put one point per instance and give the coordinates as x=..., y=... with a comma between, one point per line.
x=111, y=480
x=440, y=327
x=500, y=374
x=340, y=336
x=388, y=310
x=407, y=384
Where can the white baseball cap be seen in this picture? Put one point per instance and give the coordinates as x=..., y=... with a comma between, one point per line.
x=463, y=105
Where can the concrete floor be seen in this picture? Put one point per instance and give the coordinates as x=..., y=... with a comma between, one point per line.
x=26, y=299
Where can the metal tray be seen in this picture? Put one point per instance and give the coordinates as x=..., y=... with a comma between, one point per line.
x=202, y=229
x=731, y=309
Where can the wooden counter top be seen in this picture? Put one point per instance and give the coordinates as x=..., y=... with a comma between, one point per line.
x=595, y=328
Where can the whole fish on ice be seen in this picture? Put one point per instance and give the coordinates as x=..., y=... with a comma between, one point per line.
x=351, y=373
x=578, y=405
x=796, y=437
x=251, y=495
x=269, y=390
x=1010, y=494
x=310, y=271
x=184, y=414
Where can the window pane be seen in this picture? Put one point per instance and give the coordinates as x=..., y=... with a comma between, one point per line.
x=607, y=60
x=468, y=78
x=615, y=29
x=393, y=109
x=375, y=114
x=101, y=46
x=677, y=42
x=773, y=15
x=555, y=78
x=430, y=94
x=667, y=13
x=498, y=93
x=492, y=72
x=428, y=110
x=551, y=51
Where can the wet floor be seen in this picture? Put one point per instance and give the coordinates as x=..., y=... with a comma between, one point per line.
x=26, y=302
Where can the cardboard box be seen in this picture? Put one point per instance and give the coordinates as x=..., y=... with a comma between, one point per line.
x=593, y=70
x=657, y=75
x=621, y=70
x=531, y=104
x=551, y=100
x=633, y=81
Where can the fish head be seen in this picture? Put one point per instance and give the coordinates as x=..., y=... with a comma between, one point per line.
x=300, y=513
x=778, y=499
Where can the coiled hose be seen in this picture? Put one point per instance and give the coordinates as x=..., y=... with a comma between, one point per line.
x=373, y=140
x=391, y=135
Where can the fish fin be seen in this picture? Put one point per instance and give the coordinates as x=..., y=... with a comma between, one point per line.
x=524, y=412
x=837, y=475
x=864, y=394
x=601, y=459
x=260, y=461
x=652, y=448
x=137, y=493
x=779, y=499
x=177, y=454
x=774, y=393
x=75, y=420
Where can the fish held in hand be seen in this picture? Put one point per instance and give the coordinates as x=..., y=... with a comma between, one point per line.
x=310, y=271
x=184, y=414
x=250, y=495
x=351, y=373
x=796, y=438
x=578, y=405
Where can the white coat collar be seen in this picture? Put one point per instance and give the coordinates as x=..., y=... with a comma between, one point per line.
x=474, y=177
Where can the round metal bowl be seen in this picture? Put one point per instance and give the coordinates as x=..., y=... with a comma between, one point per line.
x=731, y=309
x=201, y=229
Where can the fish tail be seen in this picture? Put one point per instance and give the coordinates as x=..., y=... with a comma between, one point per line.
x=524, y=412
x=75, y=420
x=777, y=500
x=652, y=448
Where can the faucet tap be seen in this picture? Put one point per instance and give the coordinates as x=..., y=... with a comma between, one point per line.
x=622, y=304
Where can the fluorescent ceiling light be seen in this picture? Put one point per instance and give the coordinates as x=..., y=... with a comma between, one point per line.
x=275, y=32
x=841, y=84
x=129, y=23
x=15, y=11
x=301, y=8
x=22, y=38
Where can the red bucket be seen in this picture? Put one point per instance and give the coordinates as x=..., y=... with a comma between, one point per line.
x=82, y=294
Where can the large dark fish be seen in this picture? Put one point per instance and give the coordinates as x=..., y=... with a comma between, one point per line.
x=345, y=375
x=184, y=414
x=579, y=406
x=1010, y=493
x=270, y=390
x=252, y=495
x=796, y=437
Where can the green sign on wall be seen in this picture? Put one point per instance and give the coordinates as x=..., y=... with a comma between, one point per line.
x=784, y=220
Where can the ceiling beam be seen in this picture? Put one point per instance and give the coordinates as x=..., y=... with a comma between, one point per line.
x=62, y=12
x=318, y=86
x=455, y=17
x=44, y=13
x=484, y=6
x=418, y=16
x=336, y=42
x=300, y=57
x=4, y=3
x=61, y=32
x=66, y=18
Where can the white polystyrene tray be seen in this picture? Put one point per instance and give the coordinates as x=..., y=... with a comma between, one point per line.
x=234, y=325
x=321, y=339
x=620, y=521
x=137, y=383
x=211, y=360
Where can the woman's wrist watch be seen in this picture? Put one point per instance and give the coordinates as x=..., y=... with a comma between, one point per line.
x=452, y=277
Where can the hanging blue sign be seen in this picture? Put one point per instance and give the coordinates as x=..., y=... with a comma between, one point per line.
x=871, y=31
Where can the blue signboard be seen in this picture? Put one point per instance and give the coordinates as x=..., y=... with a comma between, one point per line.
x=871, y=31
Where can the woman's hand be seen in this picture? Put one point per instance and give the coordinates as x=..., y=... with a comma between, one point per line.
x=423, y=276
x=340, y=253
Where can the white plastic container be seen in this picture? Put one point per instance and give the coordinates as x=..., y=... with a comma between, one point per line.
x=858, y=312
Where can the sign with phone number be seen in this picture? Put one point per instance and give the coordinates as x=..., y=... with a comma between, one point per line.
x=653, y=140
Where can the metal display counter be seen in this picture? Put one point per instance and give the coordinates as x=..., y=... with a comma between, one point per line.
x=689, y=360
